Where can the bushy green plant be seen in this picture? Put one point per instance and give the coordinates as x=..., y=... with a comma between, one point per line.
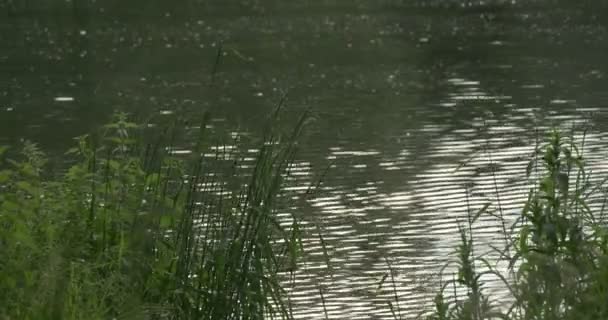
x=558, y=266
x=560, y=244
x=130, y=231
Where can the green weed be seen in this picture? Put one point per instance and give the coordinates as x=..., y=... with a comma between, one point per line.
x=557, y=255
x=130, y=231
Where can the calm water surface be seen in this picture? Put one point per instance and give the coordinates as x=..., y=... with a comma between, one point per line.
x=415, y=102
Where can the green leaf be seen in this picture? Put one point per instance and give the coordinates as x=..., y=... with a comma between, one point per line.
x=5, y=176
x=152, y=180
x=114, y=165
x=130, y=125
x=9, y=206
x=166, y=221
x=115, y=140
x=27, y=170
x=22, y=235
x=29, y=278
x=72, y=151
x=27, y=187
x=548, y=186
x=76, y=173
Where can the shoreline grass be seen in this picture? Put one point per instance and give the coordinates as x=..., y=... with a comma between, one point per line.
x=133, y=232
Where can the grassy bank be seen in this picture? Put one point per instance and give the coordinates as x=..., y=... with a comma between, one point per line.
x=132, y=231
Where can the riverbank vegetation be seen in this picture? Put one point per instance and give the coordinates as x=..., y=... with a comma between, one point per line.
x=556, y=251
x=134, y=230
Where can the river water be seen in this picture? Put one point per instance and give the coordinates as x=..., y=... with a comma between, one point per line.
x=419, y=108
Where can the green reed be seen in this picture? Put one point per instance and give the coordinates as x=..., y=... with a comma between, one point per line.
x=132, y=231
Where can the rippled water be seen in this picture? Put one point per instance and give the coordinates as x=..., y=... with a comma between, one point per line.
x=416, y=105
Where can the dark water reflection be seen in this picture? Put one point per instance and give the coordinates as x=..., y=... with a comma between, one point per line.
x=403, y=92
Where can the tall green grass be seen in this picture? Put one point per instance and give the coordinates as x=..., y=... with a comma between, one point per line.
x=132, y=231
x=556, y=251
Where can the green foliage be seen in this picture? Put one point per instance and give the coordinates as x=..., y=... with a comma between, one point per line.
x=130, y=231
x=559, y=264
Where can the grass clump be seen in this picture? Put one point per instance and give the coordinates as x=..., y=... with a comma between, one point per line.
x=130, y=231
x=557, y=254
